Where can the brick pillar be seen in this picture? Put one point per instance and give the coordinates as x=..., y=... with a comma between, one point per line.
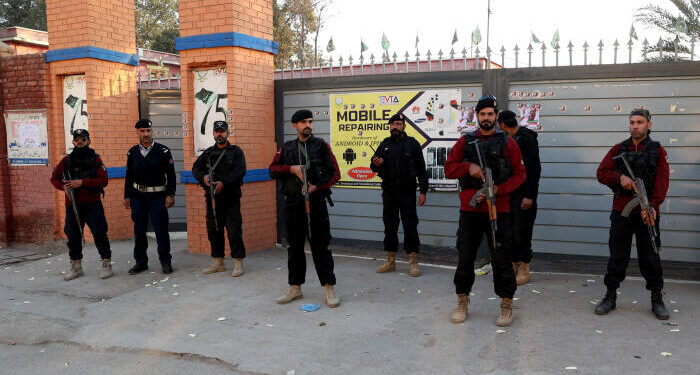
x=235, y=35
x=96, y=39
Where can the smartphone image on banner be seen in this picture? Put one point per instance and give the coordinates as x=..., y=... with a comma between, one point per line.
x=442, y=173
x=429, y=172
x=431, y=157
x=436, y=173
x=441, y=155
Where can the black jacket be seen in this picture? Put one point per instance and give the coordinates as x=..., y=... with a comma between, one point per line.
x=156, y=169
x=230, y=170
x=530, y=150
x=403, y=163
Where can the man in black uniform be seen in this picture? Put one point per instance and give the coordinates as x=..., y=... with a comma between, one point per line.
x=311, y=159
x=398, y=161
x=228, y=165
x=149, y=189
x=82, y=172
x=523, y=201
x=648, y=161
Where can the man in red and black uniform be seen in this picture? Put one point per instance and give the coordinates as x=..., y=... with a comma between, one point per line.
x=649, y=162
x=502, y=155
x=315, y=155
x=83, y=172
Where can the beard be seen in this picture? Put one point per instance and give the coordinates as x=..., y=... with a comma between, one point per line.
x=220, y=140
x=487, y=125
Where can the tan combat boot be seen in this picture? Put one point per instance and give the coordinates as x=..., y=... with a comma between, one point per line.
x=515, y=267
x=390, y=264
x=523, y=275
x=76, y=270
x=506, y=316
x=413, y=269
x=217, y=266
x=106, y=269
x=331, y=299
x=292, y=294
x=237, y=267
x=460, y=315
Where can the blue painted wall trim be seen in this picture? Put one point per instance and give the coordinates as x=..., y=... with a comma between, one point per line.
x=93, y=53
x=230, y=39
x=116, y=172
x=252, y=175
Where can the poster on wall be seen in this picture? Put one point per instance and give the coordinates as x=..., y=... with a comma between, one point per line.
x=27, y=140
x=210, y=104
x=359, y=124
x=530, y=116
x=75, y=111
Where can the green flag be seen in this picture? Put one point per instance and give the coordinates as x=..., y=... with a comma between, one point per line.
x=454, y=38
x=476, y=36
x=417, y=40
x=330, y=47
x=385, y=43
x=681, y=26
x=363, y=46
x=633, y=33
x=534, y=38
x=555, y=39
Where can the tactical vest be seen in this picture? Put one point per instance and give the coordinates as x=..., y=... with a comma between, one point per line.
x=84, y=166
x=317, y=171
x=493, y=153
x=643, y=165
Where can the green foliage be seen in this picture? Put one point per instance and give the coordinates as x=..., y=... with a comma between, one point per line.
x=23, y=13
x=157, y=24
x=657, y=17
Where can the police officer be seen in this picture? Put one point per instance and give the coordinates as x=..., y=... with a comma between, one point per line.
x=149, y=189
x=307, y=158
x=227, y=163
x=523, y=201
x=648, y=161
x=83, y=173
x=398, y=160
x=501, y=155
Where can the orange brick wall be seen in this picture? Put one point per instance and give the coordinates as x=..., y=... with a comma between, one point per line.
x=27, y=207
x=251, y=17
x=113, y=107
x=250, y=96
x=106, y=24
x=111, y=92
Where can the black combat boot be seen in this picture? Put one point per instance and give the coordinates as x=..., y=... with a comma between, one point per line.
x=607, y=304
x=658, y=307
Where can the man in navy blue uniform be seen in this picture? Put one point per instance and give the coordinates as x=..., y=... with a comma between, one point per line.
x=149, y=189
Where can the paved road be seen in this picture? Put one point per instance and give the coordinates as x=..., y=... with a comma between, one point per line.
x=386, y=324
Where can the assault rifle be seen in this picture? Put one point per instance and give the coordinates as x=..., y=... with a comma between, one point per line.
x=489, y=189
x=71, y=195
x=305, y=181
x=640, y=199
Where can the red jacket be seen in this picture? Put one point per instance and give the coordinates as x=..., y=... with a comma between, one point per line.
x=455, y=167
x=607, y=175
x=82, y=195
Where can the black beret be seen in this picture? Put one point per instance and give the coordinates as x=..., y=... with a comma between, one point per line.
x=143, y=123
x=486, y=101
x=397, y=117
x=220, y=125
x=81, y=133
x=301, y=114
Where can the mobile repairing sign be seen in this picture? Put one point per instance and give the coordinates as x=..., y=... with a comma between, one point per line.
x=359, y=122
x=210, y=104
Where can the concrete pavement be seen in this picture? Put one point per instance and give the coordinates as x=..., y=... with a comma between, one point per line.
x=386, y=324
